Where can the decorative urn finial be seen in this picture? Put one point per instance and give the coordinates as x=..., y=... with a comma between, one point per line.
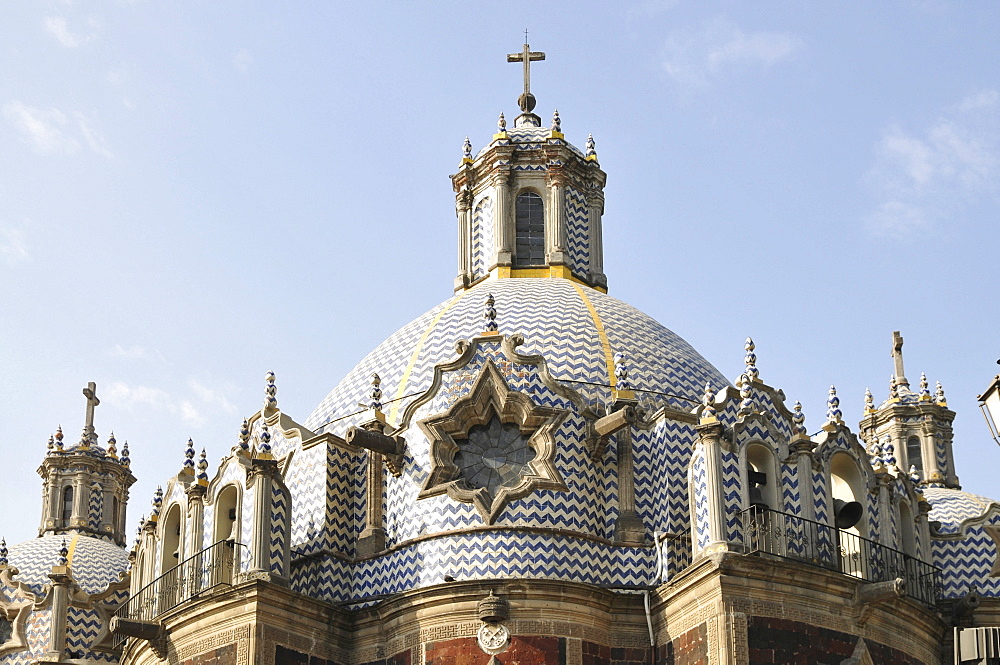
x=750, y=360
x=869, y=402
x=925, y=391
x=491, y=314
x=63, y=558
x=556, y=122
x=59, y=438
x=125, y=460
x=188, y=458
x=270, y=392
x=939, y=395
x=708, y=412
x=3, y=552
x=621, y=372
x=591, y=148
x=833, y=412
x=203, y=469
x=375, y=394
x=501, y=124
x=798, y=421
x=264, y=441
x=245, y=436
x=154, y=514
x=467, y=151
x=112, y=446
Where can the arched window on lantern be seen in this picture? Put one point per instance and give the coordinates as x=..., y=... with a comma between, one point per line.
x=529, y=230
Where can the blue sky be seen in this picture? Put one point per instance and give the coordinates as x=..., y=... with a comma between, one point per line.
x=193, y=193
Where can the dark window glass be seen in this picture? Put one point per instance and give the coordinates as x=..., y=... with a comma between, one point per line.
x=529, y=230
x=493, y=455
x=913, y=454
x=67, y=504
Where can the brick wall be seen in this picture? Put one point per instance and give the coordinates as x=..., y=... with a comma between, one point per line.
x=523, y=650
x=795, y=643
x=286, y=656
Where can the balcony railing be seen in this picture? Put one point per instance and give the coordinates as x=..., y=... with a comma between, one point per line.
x=815, y=543
x=209, y=568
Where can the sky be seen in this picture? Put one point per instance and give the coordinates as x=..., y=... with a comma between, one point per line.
x=192, y=194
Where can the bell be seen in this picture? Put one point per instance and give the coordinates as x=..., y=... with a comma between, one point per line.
x=847, y=513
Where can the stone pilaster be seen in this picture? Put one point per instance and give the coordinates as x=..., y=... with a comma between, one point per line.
x=555, y=218
x=503, y=225
x=712, y=444
x=194, y=541
x=629, y=528
x=595, y=209
x=463, y=209
x=801, y=449
x=261, y=478
x=61, y=583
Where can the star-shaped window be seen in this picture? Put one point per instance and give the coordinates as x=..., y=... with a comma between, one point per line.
x=492, y=446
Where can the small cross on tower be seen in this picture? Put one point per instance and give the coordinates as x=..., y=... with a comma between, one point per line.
x=897, y=359
x=526, y=101
x=90, y=392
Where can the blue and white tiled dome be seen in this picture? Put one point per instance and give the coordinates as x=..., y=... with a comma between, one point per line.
x=577, y=329
x=951, y=507
x=95, y=563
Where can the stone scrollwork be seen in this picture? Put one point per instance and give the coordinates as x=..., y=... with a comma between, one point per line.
x=492, y=446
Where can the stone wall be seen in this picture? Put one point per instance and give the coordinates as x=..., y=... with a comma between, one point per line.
x=774, y=640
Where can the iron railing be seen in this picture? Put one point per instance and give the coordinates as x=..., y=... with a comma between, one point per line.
x=793, y=537
x=209, y=568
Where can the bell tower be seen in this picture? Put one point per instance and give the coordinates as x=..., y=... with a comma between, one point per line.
x=530, y=204
x=85, y=486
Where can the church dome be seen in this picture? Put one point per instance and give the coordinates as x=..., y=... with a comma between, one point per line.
x=94, y=563
x=576, y=328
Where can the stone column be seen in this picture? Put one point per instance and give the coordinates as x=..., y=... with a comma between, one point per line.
x=802, y=450
x=503, y=223
x=463, y=207
x=555, y=218
x=923, y=530
x=882, y=499
x=80, y=503
x=372, y=538
x=928, y=447
x=107, y=524
x=711, y=442
x=195, y=519
x=629, y=528
x=61, y=582
x=261, y=478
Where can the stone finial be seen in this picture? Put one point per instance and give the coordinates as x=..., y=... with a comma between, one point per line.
x=925, y=391
x=915, y=478
x=591, y=148
x=59, y=438
x=375, y=394
x=869, y=402
x=245, y=436
x=875, y=451
x=124, y=460
x=112, y=446
x=622, y=381
x=750, y=359
x=893, y=389
x=501, y=123
x=493, y=609
x=270, y=392
x=833, y=412
x=51, y=445
x=556, y=122
x=188, y=468
x=264, y=441
x=491, y=314
x=203, y=469
x=708, y=412
x=3, y=552
x=63, y=558
x=889, y=453
x=154, y=514
x=467, y=150
x=798, y=420
x=746, y=395
x=939, y=395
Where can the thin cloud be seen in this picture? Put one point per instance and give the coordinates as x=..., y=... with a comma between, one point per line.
x=13, y=244
x=52, y=131
x=58, y=27
x=42, y=128
x=697, y=58
x=134, y=352
x=193, y=408
x=923, y=176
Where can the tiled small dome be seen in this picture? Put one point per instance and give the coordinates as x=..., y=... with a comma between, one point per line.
x=94, y=563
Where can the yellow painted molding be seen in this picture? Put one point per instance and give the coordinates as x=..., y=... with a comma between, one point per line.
x=609, y=357
x=591, y=158
x=499, y=136
x=490, y=333
x=556, y=135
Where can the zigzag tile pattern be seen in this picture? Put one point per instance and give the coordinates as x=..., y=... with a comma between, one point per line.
x=821, y=513
x=95, y=503
x=82, y=627
x=699, y=484
x=246, y=526
x=966, y=563
x=577, y=232
x=952, y=507
x=37, y=631
x=482, y=237
x=279, y=529
x=662, y=456
x=731, y=487
x=790, y=494
x=94, y=565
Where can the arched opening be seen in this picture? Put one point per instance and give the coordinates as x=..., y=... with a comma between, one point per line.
x=67, y=507
x=914, y=456
x=529, y=230
x=907, y=534
x=170, y=539
x=227, y=528
x=226, y=514
x=762, y=481
x=849, y=500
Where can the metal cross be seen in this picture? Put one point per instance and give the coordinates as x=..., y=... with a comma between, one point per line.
x=526, y=56
x=90, y=392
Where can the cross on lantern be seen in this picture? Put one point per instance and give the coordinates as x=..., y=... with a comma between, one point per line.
x=526, y=56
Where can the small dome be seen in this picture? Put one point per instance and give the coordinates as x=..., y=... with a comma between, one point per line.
x=94, y=563
x=951, y=507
